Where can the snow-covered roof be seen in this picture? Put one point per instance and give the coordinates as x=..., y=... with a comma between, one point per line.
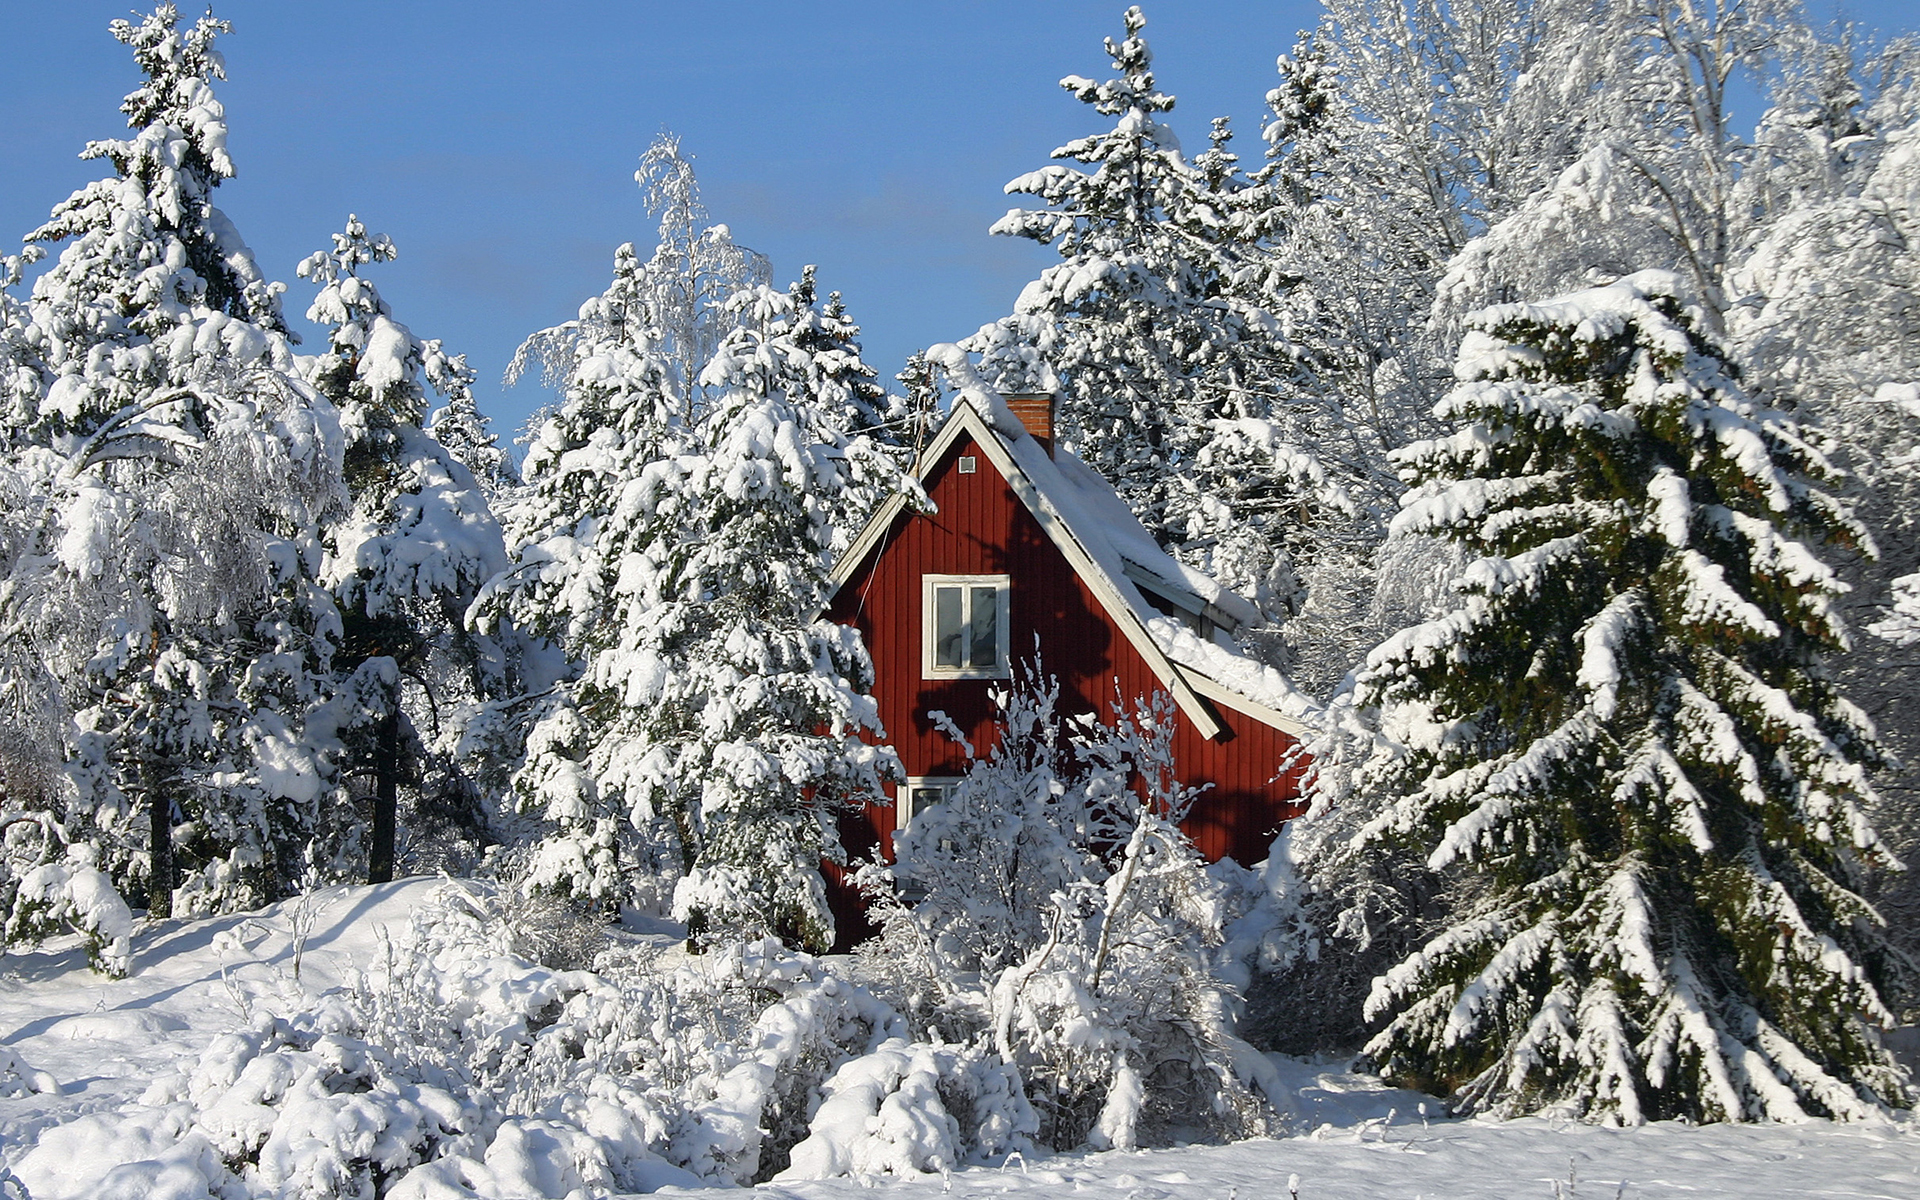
x=1120, y=562
x=1090, y=504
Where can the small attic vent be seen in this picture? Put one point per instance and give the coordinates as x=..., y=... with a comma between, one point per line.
x=968, y=464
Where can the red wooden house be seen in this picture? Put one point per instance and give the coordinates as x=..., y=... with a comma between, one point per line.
x=1024, y=543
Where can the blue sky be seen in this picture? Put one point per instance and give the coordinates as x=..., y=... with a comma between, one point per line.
x=495, y=143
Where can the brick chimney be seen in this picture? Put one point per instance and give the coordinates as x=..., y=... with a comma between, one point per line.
x=1035, y=410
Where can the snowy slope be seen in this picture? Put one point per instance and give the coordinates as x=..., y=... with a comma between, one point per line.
x=1360, y=1158
x=107, y=1043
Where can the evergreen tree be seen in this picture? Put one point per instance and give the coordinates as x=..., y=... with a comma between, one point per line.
x=841, y=402
x=1623, y=749
x=747, y=704
x=603, y=478
x=671, y=583
x=1158, y=329
x=409, y=556
x=164, y=573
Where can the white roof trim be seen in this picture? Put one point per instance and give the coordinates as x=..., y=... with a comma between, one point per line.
x=869, y=539
x=882, y=519
x=1221, y=694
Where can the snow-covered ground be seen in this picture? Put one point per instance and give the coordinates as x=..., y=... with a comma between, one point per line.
x=106, y=1043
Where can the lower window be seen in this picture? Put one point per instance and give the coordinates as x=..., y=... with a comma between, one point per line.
x=916, y=794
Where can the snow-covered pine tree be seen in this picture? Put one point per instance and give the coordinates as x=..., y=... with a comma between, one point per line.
x=410, y=554
x=165, y=575
x=1623, y=747
x=843, y=403
x=601, y=509
x=1155, y=331
x=746, y=707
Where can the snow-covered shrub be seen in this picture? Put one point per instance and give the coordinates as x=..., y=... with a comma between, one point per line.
x=1054, y=913
x=18, y=1078
x=981, y=865
x=909, y=1107
x=76, y=892
x=42, y=898
x=536, y=922
x=453, y=1067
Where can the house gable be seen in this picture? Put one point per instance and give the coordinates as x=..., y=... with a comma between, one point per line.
x=980, y=526
x=1108, y=582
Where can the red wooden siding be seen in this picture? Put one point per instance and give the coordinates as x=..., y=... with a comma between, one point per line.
x=982, y=528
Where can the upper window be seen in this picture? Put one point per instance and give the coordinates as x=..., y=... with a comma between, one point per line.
x=964, y=626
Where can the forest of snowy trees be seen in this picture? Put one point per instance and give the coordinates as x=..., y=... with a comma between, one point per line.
x=1565, y=433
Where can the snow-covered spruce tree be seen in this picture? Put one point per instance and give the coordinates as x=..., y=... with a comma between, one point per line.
x=1797, y=239
x=408, y=557
x=842, y=401
x=746, y=707
x=601, y=507
x=1624, y=744
x=165, y=575
x=1153, y=326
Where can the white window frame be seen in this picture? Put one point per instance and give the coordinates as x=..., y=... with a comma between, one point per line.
x=903, y=806
x=929, y=629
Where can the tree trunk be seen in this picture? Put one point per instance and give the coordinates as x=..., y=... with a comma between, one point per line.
x=159, y=842
x=386, y=793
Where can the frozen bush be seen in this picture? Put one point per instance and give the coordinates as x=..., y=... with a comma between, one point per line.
x=455, y=1068
x=909, y=1107
x=76, y=893
x=17, y=1078
x=1051, y=911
